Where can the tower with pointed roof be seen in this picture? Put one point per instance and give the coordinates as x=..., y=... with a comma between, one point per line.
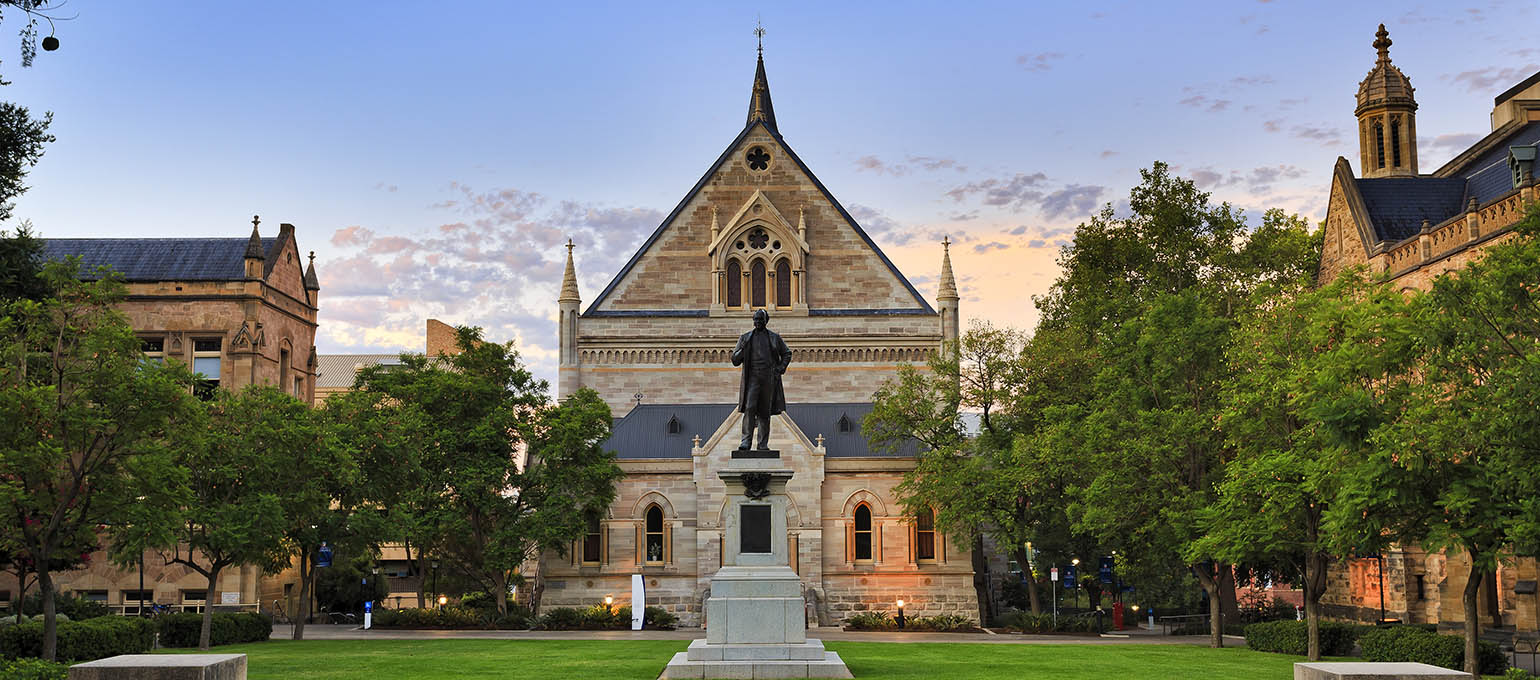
x=758, y=231
x=1387, y=117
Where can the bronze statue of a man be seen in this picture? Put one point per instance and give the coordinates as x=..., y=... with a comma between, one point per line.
x=764, y=357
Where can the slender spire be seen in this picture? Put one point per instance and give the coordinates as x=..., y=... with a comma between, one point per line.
x=760, y=107
x=948, y=288
x=254, y=246
x=311, y=282
x=569, y=287
x=1382, y=44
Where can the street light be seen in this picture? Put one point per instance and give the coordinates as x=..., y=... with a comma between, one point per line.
x=900, y=618
x=443, y=600
x=609, y=600
x=1076, y=562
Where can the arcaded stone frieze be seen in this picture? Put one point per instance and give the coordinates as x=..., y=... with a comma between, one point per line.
x=720, y=356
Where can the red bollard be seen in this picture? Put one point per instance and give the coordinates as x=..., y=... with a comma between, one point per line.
x=1117, y=616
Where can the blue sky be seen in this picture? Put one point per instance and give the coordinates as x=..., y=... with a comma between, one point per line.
x=435, y=156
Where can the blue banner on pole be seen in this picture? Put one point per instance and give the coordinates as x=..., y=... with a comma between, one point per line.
x=368, y=607
x=1069, y=577
x=1104, y=571
x=323, y=556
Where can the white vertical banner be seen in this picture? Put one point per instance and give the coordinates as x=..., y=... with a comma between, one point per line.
x=638, y=601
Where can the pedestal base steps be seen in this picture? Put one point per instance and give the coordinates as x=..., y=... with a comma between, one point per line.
x=1370, y=670
x=163, y=667
x=806, y=660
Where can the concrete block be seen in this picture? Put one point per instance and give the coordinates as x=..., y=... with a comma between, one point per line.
x=730, y=669
x=163, y=667
x=832, y=666
x=789, y=669
x=681, y=667
x=1367, y=670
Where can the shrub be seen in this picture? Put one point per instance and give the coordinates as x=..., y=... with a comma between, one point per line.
x=1412, y=643
x=870, y=621
x=561, y=618
x=33, y=669
x=77, y=608
x=1027, y=622
x=81, y=640
x=441, y=617
x=1292, y=637
x=944, y=622
x=1517, y=674
x=658, y=618
x=183, y=630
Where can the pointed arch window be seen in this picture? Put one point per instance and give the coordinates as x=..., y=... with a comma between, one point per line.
x=654, y=535
x=1395, y=142
x=783, y=283
x=1379, y=143
x=757, y=283
x=734, y=284
x=674, y=426
x=925, y=535
x=863, y=532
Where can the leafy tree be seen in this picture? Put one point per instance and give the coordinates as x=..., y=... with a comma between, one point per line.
x=1155, y=295
x=21, y=266
x=244, y=478
x=87, y=428
x=350, y=497
x=1310, y=374
x=1458, y=467
x=488, y=513
x=21, y=146
x=350, y=582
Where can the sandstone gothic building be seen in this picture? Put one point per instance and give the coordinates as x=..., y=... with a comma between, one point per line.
x=239, y=311
x=1412, y=228
x=758, y=231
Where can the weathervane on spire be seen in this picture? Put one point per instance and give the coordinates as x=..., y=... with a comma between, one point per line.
x=569, y=246
x=946, y=242
x=759, y=32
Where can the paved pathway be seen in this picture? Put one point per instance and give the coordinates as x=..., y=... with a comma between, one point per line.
x=332, y=632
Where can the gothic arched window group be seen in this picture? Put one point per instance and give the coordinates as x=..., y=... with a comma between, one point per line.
x=763, y=285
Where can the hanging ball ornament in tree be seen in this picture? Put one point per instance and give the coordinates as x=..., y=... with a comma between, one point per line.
x=50, y=44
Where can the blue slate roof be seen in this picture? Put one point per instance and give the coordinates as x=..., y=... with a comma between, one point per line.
x=160, y=259
x=644, y=433
x=1487, y=176
x=1398, y=205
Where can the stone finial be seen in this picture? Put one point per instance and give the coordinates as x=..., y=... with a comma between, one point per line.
x=569, y=287
x=948, y=287
x=1472, y=206
x=254, y=244
x=696, y=441
x=819, y=440
x=1426, y=226
x=311, y=282
x=1382, y=43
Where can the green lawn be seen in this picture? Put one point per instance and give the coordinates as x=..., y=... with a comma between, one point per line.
x=642, y=660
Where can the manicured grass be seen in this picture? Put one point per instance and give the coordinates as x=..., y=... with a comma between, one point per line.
x=643, y=659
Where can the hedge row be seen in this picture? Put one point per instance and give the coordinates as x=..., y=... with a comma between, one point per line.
x=183, y=630
x=33, y=669
x=1410, y=643
x=1292, y=637
x=518, y=618
x=883, y=621
x=1027, y=622
x=81, y=640
x=599, y=617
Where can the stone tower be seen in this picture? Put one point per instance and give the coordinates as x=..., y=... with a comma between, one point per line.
x=946, y=297
x=567, y=303
x=1387, y=123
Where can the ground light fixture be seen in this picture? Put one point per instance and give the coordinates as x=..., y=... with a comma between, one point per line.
x=900, y=618
x=609, y=600
x=443, y=600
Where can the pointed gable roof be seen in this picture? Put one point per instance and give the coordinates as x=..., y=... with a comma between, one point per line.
x=761, y=115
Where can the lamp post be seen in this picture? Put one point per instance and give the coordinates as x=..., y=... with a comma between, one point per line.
x=900, y=618
x=442, y=600
x=435, y=576
x=609, y=601
x=1076, y=562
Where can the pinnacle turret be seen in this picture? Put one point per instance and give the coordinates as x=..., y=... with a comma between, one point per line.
x=569, y=286
x=948, y=287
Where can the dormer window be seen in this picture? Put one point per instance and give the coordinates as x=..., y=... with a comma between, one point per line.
x=844, y=423
x=674, y=426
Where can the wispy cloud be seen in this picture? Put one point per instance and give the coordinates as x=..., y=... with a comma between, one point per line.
x=1041, y=61
x=908, y=165
x=1492, y=78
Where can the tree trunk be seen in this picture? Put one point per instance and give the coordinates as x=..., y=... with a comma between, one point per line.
x=1028, y=580
x=306, y=569
x=1472, y=620
x=981, y=580
x=1489, y=593
x=422, y=578
x=50, y=623
x=500, y=580
x=1205, y=575
x=208, y=607
x=536, y=590
x=1227, y=603
x=1315, y=580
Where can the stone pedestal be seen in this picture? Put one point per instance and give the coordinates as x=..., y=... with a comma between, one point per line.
x=755, y=621
x=163, y=667
x=1369, y=670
